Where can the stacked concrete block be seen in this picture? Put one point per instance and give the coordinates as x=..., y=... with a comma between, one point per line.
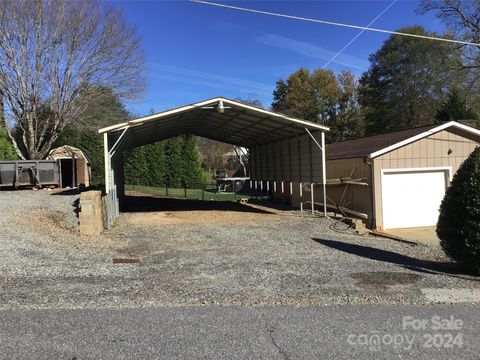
x=91, y=213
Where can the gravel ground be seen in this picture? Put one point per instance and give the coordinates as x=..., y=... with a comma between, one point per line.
x=288, y=260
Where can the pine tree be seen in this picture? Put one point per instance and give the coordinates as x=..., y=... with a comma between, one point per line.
x=192, y=172
x=155, y=158
x=173, y=162
x=455, y=108
x=136, y=167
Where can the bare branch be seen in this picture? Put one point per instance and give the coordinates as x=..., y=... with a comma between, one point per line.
x=51, y=53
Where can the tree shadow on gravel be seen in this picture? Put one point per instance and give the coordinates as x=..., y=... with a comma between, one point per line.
x=405, y=261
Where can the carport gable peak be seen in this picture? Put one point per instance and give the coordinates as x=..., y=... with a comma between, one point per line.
x=257, y=115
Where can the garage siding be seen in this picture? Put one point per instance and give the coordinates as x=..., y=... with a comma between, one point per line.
x=429, y=152
x=358, y=198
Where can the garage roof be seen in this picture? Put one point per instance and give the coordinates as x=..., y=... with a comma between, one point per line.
x=376, y=145
x=219, y=119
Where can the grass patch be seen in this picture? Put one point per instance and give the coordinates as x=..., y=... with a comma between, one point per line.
x=192, y=194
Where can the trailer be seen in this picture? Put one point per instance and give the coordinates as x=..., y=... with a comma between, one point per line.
x=24, y=173
x=232, y=184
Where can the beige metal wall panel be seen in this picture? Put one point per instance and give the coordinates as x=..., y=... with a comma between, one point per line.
x=295, y=197
x=252, y=163
x=270, y=162
x=429, y=152
x=292, y=159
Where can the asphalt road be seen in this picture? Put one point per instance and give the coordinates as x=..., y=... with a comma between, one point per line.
x=330, y=332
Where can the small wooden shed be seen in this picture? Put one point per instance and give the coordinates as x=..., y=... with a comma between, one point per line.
x=401, y=177
x=73, y=165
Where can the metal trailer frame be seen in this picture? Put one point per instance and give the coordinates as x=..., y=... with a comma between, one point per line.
x=261, y=131
x=35, y=168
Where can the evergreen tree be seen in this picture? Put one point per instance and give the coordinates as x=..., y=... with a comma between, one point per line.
x=173, y=162
x=455, y=108
x=407, y=81
x=104, y=108
x=459, y=222
x=136, y=167
x=321, y=96
x=155, y=158
x=6, y=148
x=91, y=143
x=193, y=173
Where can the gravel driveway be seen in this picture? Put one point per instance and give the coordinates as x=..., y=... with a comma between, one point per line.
x=287, y=260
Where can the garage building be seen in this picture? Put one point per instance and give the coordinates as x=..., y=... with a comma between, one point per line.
x=407, y=173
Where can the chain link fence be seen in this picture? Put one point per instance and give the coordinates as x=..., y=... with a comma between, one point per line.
x=193, y=191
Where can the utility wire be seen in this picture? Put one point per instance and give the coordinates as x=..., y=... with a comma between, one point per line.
x=335, y=23
x=358, y=35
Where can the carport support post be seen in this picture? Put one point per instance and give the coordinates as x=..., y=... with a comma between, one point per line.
x=301, y=198
x=324, y=176
x=312, y=200
x=107, y=162
x=324, y=171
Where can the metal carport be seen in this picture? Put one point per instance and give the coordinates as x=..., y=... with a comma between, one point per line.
x=282, y=148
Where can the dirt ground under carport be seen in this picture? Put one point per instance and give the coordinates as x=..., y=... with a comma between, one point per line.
x=147, y=209
x=271, y=259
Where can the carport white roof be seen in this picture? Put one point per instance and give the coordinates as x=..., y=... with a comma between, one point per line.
x=237, y=124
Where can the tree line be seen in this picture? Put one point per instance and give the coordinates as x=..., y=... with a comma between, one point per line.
x=410, y=82
x=173, y=162
x=55, y=94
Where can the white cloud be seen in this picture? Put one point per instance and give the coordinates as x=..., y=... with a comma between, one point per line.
x=311, y=50
x=207, y=79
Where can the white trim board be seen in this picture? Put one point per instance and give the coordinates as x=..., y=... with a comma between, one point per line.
x=448, y=169
x=213, y=101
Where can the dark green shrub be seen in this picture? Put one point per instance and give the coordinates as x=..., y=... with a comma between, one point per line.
x=458, y=225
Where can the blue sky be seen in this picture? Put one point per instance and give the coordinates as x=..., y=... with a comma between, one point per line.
x=195, y=51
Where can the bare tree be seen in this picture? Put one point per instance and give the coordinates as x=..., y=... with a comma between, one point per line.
x=242, y=158
x=462, y=18
x=213, y=154
x=51, y=53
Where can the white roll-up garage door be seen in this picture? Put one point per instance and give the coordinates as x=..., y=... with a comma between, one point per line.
x=413, y=198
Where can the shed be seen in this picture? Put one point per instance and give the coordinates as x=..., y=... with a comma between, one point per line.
x=282, y=148
x=406, y=173
x=73, y=165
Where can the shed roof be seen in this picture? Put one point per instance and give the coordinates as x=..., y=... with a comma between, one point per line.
x=66, y=151
x=376, y=145
x=219, y=119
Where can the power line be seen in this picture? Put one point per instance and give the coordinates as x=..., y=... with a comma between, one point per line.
x=335, y=23
x=358, y=35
